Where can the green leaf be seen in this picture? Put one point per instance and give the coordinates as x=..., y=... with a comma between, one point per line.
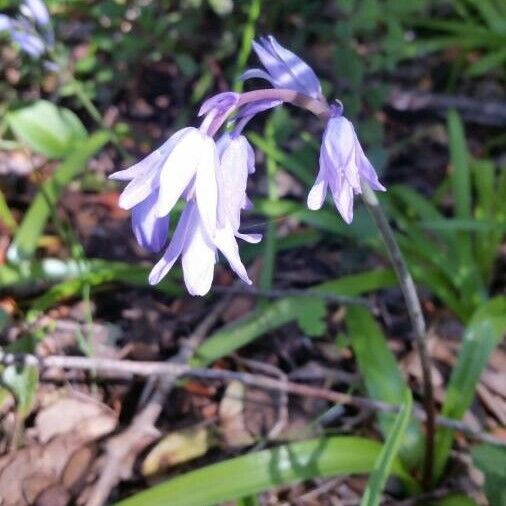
x=461, y=184
x=461, y=176
x=6, y=217
x=259, y=471
x=383, y=466
x=311, y=318
x=22, y=383
x=47, y=129
x=383, y=378
x=488, y=62
x=238, y=334
x=484, y=332
x=453, y=500
x=35, y=219
x=491, y=460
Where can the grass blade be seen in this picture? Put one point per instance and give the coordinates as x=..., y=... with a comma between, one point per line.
x=383, y=465
x=383, y=378
x=483, y=333
x=258, y=471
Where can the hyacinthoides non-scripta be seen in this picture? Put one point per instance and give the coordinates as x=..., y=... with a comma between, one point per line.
x=210, y=176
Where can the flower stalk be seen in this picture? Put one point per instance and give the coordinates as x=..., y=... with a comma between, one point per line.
x=416, y=318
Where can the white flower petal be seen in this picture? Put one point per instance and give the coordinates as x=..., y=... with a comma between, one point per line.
x=187, y=223
x=179, y=169
x=227, y=244
x=198, y=259
x=206, y=190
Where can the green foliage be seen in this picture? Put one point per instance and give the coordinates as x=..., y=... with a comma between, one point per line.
x=478, y=25
x=454, y=257
x=485, y=330
x=383, y=378
x=383, y=466
x=27, y=236
x=491, y=460
x=306, y=311
x=258, y=471
x=22, y=383
x=49, y=130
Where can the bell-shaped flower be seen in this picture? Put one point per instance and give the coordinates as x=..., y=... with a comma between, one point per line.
x=191, y=239
x=184, y=166
x=284, y=69
x=36, y=10
x=342, y=165
x=31, y=30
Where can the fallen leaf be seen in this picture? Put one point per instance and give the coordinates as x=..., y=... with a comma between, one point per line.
x=175, y=448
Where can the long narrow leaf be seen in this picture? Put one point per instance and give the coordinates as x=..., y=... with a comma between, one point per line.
x=383, y=378
x=484, y=332
x=383, y=466
x=260, y=471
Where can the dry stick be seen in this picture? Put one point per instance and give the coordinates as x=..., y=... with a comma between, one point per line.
x=408, y=289
x=122, y=449
x=129, y=368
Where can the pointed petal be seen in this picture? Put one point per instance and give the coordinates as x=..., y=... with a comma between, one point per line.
x=318, y=192
x=256, y=74
x=206, y=190
x=302, y=74
x=232, y=179
x=366, y=170
x=186, y=225
x=151, y=162
x=178, y=170
x=150, y=231
x=221, y=101
x=199, y=257
x=343, y=199
x=38, y=10
x=251, y=238
x=139, y=189
x=227, y=244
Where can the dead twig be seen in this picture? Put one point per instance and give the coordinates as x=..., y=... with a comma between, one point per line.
x=173, y=370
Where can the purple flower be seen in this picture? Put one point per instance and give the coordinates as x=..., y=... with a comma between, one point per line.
x=284, y=69
x=184, y=166
x=342, y=165
x=31, y=30
x=217, y=108
x=36, y=10
x=192, y=241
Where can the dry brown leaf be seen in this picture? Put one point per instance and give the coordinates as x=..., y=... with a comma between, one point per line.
x=45, y=473
x=175, y=448
x=231, y=414
x=86, y=418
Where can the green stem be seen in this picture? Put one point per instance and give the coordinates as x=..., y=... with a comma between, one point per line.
x=269, y=257
x=416, y=317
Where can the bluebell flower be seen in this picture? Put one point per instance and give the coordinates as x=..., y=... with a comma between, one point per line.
x=31, y=30
x=342, y=165
x=211, y=177
x=284, y=69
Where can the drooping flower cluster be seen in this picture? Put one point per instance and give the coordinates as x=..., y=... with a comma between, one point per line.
x=31, y=29
x=210, y=175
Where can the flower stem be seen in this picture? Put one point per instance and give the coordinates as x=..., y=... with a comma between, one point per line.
x=416, y=317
